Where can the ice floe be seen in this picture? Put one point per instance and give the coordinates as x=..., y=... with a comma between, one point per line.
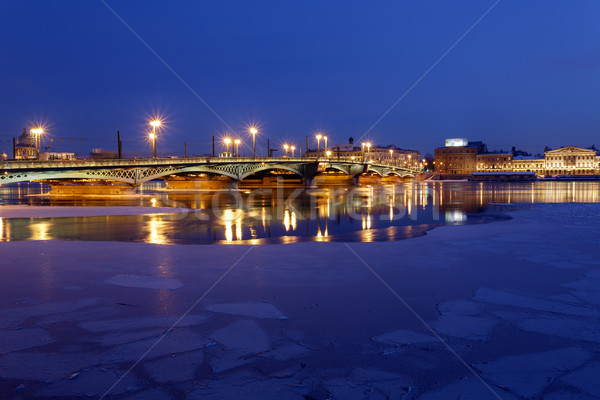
x=146, y=282
x=369, y=384
x=586, y=379
x=45, y=366
x=528, y=374
x=256, y=310
x=245, y=335
x=133, y=323
x=564, y=327
x=242, y=341
x=14, y=317
x=172, y=343
x=501, y=297
x=255, y=389
x=465, y=326
x=91, y=383
x=21, y=339
x=175, y=368
x=402, y=337
x=470, y=388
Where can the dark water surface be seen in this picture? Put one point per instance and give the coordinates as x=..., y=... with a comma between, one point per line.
x=365, y=214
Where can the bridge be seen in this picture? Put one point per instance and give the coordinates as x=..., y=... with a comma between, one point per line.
x=135, y=172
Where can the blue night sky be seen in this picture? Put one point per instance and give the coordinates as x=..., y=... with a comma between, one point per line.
x=526, y=76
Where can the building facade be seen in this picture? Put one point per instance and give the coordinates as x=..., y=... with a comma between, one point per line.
x=462, y=157
x=459, y=156
x=494, y=162
x=25, y=148
x=571, y=160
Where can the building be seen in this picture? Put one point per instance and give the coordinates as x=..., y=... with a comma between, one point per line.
x=389, y=154
x=459, y=156
x=571, y=160
x=463, y=157
x=53, y=156
x=25, y=147
x=494, y=162
x=528, y=164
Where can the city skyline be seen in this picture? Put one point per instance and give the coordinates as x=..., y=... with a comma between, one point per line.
x=299, y=69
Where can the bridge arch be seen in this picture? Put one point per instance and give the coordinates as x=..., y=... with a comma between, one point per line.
x=267, y=167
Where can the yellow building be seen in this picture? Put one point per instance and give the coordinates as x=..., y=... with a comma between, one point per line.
x=570, y=160
x=494, y=162
x=528, y=164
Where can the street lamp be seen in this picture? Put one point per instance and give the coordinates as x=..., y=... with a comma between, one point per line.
x=227, y=143
x=328, y=153
x=319, y=136
x=155, y=123
x=253, y=131
x=286, y=147
x=237, y=146
x=325, y=138
x=293, y=149
x=391, y=156
x=37, y=132
x=368, y=146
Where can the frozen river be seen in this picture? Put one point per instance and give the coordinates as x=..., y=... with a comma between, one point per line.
x=502, y=310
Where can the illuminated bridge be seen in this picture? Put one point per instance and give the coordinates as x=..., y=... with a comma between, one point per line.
x=134, y=172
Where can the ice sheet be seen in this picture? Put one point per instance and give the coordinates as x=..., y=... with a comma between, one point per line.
x=145, y=281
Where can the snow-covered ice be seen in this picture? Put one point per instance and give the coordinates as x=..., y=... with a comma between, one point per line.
x=517, y=300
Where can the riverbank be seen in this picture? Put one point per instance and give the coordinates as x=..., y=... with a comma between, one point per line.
x=503, y=310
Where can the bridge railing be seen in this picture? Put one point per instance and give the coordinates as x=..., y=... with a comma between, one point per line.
x=149, y=162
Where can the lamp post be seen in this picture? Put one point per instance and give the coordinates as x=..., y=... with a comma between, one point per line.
x=362, y=150
x=237, y=146
x=253, y=131
x=155, y=123
x=286, y=147
x=293, y=149
x=391, y=156
x=227, y=143
x=328, y=153
x=37, y=132
x=319, y=136
x=325, y=138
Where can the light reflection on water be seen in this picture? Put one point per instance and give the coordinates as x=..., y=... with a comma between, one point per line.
x=369, y=213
